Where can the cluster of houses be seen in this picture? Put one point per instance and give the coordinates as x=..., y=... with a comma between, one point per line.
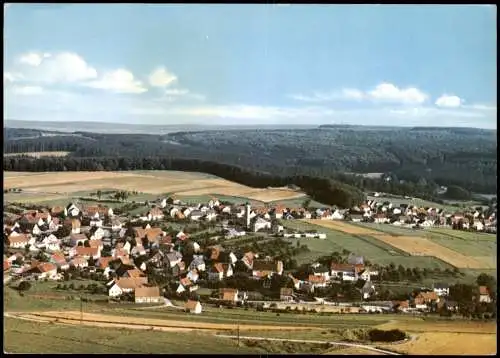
x=127, y=250
x=263, y=218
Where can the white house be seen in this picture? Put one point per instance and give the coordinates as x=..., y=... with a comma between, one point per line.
x=210, y=215
x=19, y=241
x=367, y=274
x=196, y=215
x=163, y=203
x=53, y=226
x=441, y=289
x=261, y=224
x=337, y=215
x=71, y=211
x=47, y=270
x=173, y=212
x=115, y=291
x=98, y=234
x=478, y=225
x=193, y=307
x=146, y=294
x=36, y=230
x=52, y=243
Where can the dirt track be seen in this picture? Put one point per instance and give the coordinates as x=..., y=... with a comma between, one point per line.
x=94, y=319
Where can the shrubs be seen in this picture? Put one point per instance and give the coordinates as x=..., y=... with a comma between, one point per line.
x=378, y=335
x=24, y=286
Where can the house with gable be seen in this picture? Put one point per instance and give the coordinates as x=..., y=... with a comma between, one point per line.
x=266, y=268
x=148, y=294
x=193, y=307
x=218, y=271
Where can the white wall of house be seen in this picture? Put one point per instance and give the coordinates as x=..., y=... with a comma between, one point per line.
x=115, y=291
x=158, y=299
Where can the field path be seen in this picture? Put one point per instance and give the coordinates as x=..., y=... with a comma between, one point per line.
x=73, y=317
x=315, y=342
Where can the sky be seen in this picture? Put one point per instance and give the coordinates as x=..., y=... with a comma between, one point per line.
x=424, y=65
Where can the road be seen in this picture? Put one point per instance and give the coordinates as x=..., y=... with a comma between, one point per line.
x=312, y=341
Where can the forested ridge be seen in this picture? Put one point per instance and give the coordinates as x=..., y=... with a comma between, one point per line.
x=417, y=160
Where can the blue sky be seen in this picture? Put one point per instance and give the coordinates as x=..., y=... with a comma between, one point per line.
x=251, y=64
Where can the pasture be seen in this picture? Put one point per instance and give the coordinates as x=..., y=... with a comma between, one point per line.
x=361, y=244
x=419, y=246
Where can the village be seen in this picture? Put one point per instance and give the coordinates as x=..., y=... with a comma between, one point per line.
x=143, y=259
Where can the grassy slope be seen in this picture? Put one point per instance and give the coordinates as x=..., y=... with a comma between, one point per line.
x=371, y=248
x=33, y=337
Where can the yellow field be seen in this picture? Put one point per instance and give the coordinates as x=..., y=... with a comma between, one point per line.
x=441, y=343
x=155, y=182
x=443, y=326
x=446, y=338
x=39, y=154
x=414, y=245
x=343, y=226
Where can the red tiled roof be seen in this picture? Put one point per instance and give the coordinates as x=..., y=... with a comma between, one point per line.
x=104, y=261
x=145, y=291
x=317, y=279
x=46, y=267
x=21, y=238
x=483, y=290
x=86, y=251
x=191, y=305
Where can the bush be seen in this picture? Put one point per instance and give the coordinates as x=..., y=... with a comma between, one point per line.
x=394, y=335
x=24, y=286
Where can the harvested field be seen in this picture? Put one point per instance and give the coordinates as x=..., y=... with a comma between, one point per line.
x=343, y=226
x=442, y=343
x=156, y=182
x=269, y=195
x=416, y=246
x=455, y=326
x=38, y=154
x=131, y=322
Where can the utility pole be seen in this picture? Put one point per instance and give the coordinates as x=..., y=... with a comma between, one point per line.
x=238, y=332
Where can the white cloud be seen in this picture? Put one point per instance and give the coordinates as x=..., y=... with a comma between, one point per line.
x=174, y=94
x=161, y=77
x=481, y=107
x=119, y=81
x=63, y=67
x=449, y=101
x=387, y=92
x=11, y=77
x=27, y=90
x=33, y=59
x=344, y=94
x=252, y=112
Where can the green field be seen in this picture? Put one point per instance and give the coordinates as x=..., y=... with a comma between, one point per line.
x=371, y=248
x=396, y=201
x=34, y=337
